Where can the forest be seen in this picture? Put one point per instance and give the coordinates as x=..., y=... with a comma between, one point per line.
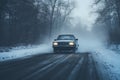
x=109, y=16
x=32, y=21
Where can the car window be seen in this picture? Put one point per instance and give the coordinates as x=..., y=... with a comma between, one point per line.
x=66, y=37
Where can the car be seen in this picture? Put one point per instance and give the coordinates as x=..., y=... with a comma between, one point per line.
x=65, y=43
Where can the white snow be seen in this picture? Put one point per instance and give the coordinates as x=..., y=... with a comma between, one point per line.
x=23, y=52
x=110, y=62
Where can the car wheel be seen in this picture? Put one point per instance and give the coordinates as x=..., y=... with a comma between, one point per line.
x=55, y=51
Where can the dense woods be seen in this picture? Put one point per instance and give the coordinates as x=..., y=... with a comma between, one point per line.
x=109, y=15
x=30, y=21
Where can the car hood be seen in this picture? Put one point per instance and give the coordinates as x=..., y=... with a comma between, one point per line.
x=64, y=41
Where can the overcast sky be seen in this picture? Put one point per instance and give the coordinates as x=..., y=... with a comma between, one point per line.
x=84, y=11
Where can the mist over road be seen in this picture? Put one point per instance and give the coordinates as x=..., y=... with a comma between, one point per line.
x=51, y=67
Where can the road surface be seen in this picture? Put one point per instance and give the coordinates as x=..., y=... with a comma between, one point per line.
x=51, y=67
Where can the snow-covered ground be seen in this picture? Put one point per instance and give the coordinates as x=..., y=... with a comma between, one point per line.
x=108, y=60
x=23, y=52
x=108, y=63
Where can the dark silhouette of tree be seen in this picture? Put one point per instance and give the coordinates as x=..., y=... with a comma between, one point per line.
x=109, y=14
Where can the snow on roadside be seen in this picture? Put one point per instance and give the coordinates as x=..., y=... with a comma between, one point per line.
x=22, y=52
x=110, y=62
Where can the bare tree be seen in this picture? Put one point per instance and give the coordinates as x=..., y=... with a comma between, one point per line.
x=109, y=14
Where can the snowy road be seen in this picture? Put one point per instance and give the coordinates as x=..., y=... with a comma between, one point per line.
x=51, y=67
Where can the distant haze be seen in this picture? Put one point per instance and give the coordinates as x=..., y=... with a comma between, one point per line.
x=84, y=11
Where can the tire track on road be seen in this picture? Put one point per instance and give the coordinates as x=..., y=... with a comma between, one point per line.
x=42, y=71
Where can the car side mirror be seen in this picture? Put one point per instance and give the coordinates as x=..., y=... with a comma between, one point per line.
x=76, y=39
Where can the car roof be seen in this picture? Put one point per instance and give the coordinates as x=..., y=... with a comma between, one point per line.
x=66, y=35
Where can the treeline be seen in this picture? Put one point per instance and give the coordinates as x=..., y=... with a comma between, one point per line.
x=109, y=14
x=30, y=21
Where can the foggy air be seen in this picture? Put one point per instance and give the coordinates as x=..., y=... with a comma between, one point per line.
x=59, y=39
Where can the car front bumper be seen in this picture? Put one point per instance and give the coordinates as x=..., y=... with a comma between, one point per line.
x=64, y=48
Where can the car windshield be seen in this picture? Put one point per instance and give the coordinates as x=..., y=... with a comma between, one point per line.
x=66, y=37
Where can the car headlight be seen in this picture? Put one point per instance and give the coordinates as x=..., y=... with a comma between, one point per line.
x=55, y=43
x=71, y=43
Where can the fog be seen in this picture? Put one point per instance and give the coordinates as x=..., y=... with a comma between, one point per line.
x=84, y=11
x=91, y=36
x=76, y=18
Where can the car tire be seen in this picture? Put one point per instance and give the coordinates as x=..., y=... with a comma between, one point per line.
x=55, y=51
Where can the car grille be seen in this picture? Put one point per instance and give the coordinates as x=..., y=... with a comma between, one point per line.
x=63, y=43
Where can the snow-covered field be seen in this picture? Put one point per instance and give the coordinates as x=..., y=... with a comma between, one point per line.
x=108, y=63
x=23, y=52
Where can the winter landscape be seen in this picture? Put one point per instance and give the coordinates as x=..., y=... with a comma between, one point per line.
x=30, y=47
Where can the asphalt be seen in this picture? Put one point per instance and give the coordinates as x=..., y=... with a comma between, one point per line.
x=51, y=66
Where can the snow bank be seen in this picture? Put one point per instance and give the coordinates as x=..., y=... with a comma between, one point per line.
x=22, y=52
x=110, y=60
